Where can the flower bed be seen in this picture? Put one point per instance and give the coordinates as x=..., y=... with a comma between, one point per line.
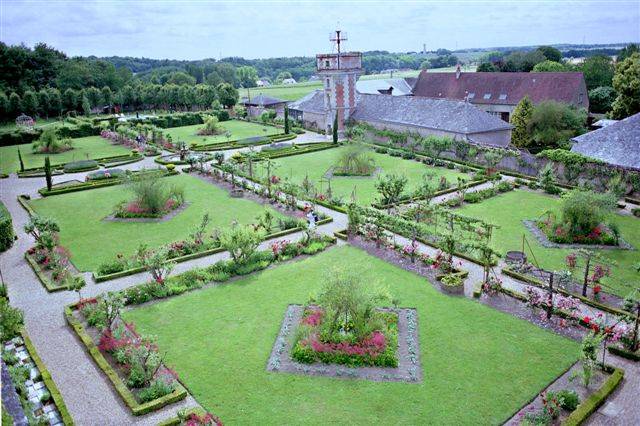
x=167, y=391
x=393, y=356
x=551, y=235
x=133, y=210
x=378, y=349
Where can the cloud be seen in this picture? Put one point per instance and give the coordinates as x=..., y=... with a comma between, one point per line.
x=196, y=29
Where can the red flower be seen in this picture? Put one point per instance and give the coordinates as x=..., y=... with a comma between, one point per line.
x=586, y=320
x=597, y=289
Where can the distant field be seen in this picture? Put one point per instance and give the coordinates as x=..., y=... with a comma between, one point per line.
x=292, y=92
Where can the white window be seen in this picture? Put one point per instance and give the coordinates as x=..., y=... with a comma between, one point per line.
x=503, y=96
x=487, y=96
x=471, y=95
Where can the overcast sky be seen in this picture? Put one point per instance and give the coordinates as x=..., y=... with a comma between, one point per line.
x=199, y=29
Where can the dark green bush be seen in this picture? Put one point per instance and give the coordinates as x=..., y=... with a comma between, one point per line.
x=6, y=228
x=569, y=399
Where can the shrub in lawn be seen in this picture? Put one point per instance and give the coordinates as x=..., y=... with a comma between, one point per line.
x=153, y=197
x=50, y=143
x=211, y=126
x=345, y=326
x=390, y=188
x=11, y=320
x=356, y=160
x=105, y=174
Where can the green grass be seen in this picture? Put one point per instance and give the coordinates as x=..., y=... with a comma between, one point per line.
x=510, y=209
x=296, y=167
x=83, y=148
x=479, y=365
x=40, y=122
x=92, y=240
x=238, y=129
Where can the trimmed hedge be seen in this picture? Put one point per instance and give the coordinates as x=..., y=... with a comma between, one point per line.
x=80, y=166
x=435, y=194
x=48, y=381
x=136, y=408
x=595, y=400
x=7, y=235
x=535, y=282
x=127, y=272
x=624, y=353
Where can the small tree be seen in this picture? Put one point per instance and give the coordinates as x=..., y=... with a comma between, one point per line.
x=110, y=305
x=547, y=178
x=593, y=265
x=286, y=120
x=42, y=230
x=582, y=211
x=77, y=284
x=335, y=128
x=241, y=242
x=390, y=188
x=588, y=356
x=157, y=263
x=47, y=173
x=492, y=158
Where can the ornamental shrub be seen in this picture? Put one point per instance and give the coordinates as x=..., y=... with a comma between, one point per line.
x=241, y=242
x=582, y=211
x=6, y=228
x=569, y=399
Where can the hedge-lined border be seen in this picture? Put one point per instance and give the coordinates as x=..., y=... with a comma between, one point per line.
x=470, y=184
x=342, y=234
x=535, y=282
x=46, y=283
x=59, y=168
x=48, y=381
x=91, y=184
x=306, y=150
x=596, y=399
x=223, y=146
x=159, y=160
x=127, y=272
x=624, y=353
x=129, y=399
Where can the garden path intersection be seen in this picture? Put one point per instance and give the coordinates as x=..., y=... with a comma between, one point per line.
x=89, y=395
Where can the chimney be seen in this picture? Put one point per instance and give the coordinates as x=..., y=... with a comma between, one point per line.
x=457, y=71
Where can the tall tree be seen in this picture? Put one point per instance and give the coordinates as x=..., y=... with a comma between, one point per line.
x=30, y=103
x=520, y=119
x=86, y=106
x=627, y=51
x=14, y=104
x=70, y=99
x=551, y=53
x=549, y=66
x=626, y=83
x=227, y=94
x=107, y=96
x=47, y=172
x=601, y=99
x=43, y=103
x=55, y=102
x=247, y=76
x=598, y=71
x=335, y=128
x=286, y=120
x=4, y=107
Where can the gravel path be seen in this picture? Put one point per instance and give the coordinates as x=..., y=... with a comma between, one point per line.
x=87, y=392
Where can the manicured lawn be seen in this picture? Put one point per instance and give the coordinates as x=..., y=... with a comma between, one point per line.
x=40, y=122
x=290, y=92
x=508, y=211
x=238, y=129
x=83, y=148
x=316, y=164
x=92, y=240
x=479, y=365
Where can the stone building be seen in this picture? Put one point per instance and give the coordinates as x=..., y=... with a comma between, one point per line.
x=498, y=93
x=258, y=104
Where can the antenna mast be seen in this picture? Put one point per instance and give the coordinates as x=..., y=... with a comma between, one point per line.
x=337, y=39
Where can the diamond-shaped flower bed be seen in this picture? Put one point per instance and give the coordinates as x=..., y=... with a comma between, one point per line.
x=372, y=359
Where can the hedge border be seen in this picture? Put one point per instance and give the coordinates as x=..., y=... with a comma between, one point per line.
x=596, y=399
x=321, y=147
x=48, y=380
x=160, y=161
x=470, y=184
x=127, y=396
x=624, y=353
x=521, y=277
x=23, y=201
x=101, y=183
x=59, y=168
x=223, y=146
x=186, y=257
x=46, y=283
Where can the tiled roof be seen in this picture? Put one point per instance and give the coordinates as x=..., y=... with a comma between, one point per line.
x=618, y=143
x=262, y=100
x=313, y=102
x=439, y=114
x=398, y=85
x=504, y=87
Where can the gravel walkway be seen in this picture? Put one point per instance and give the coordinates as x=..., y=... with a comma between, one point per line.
x=87, y=392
